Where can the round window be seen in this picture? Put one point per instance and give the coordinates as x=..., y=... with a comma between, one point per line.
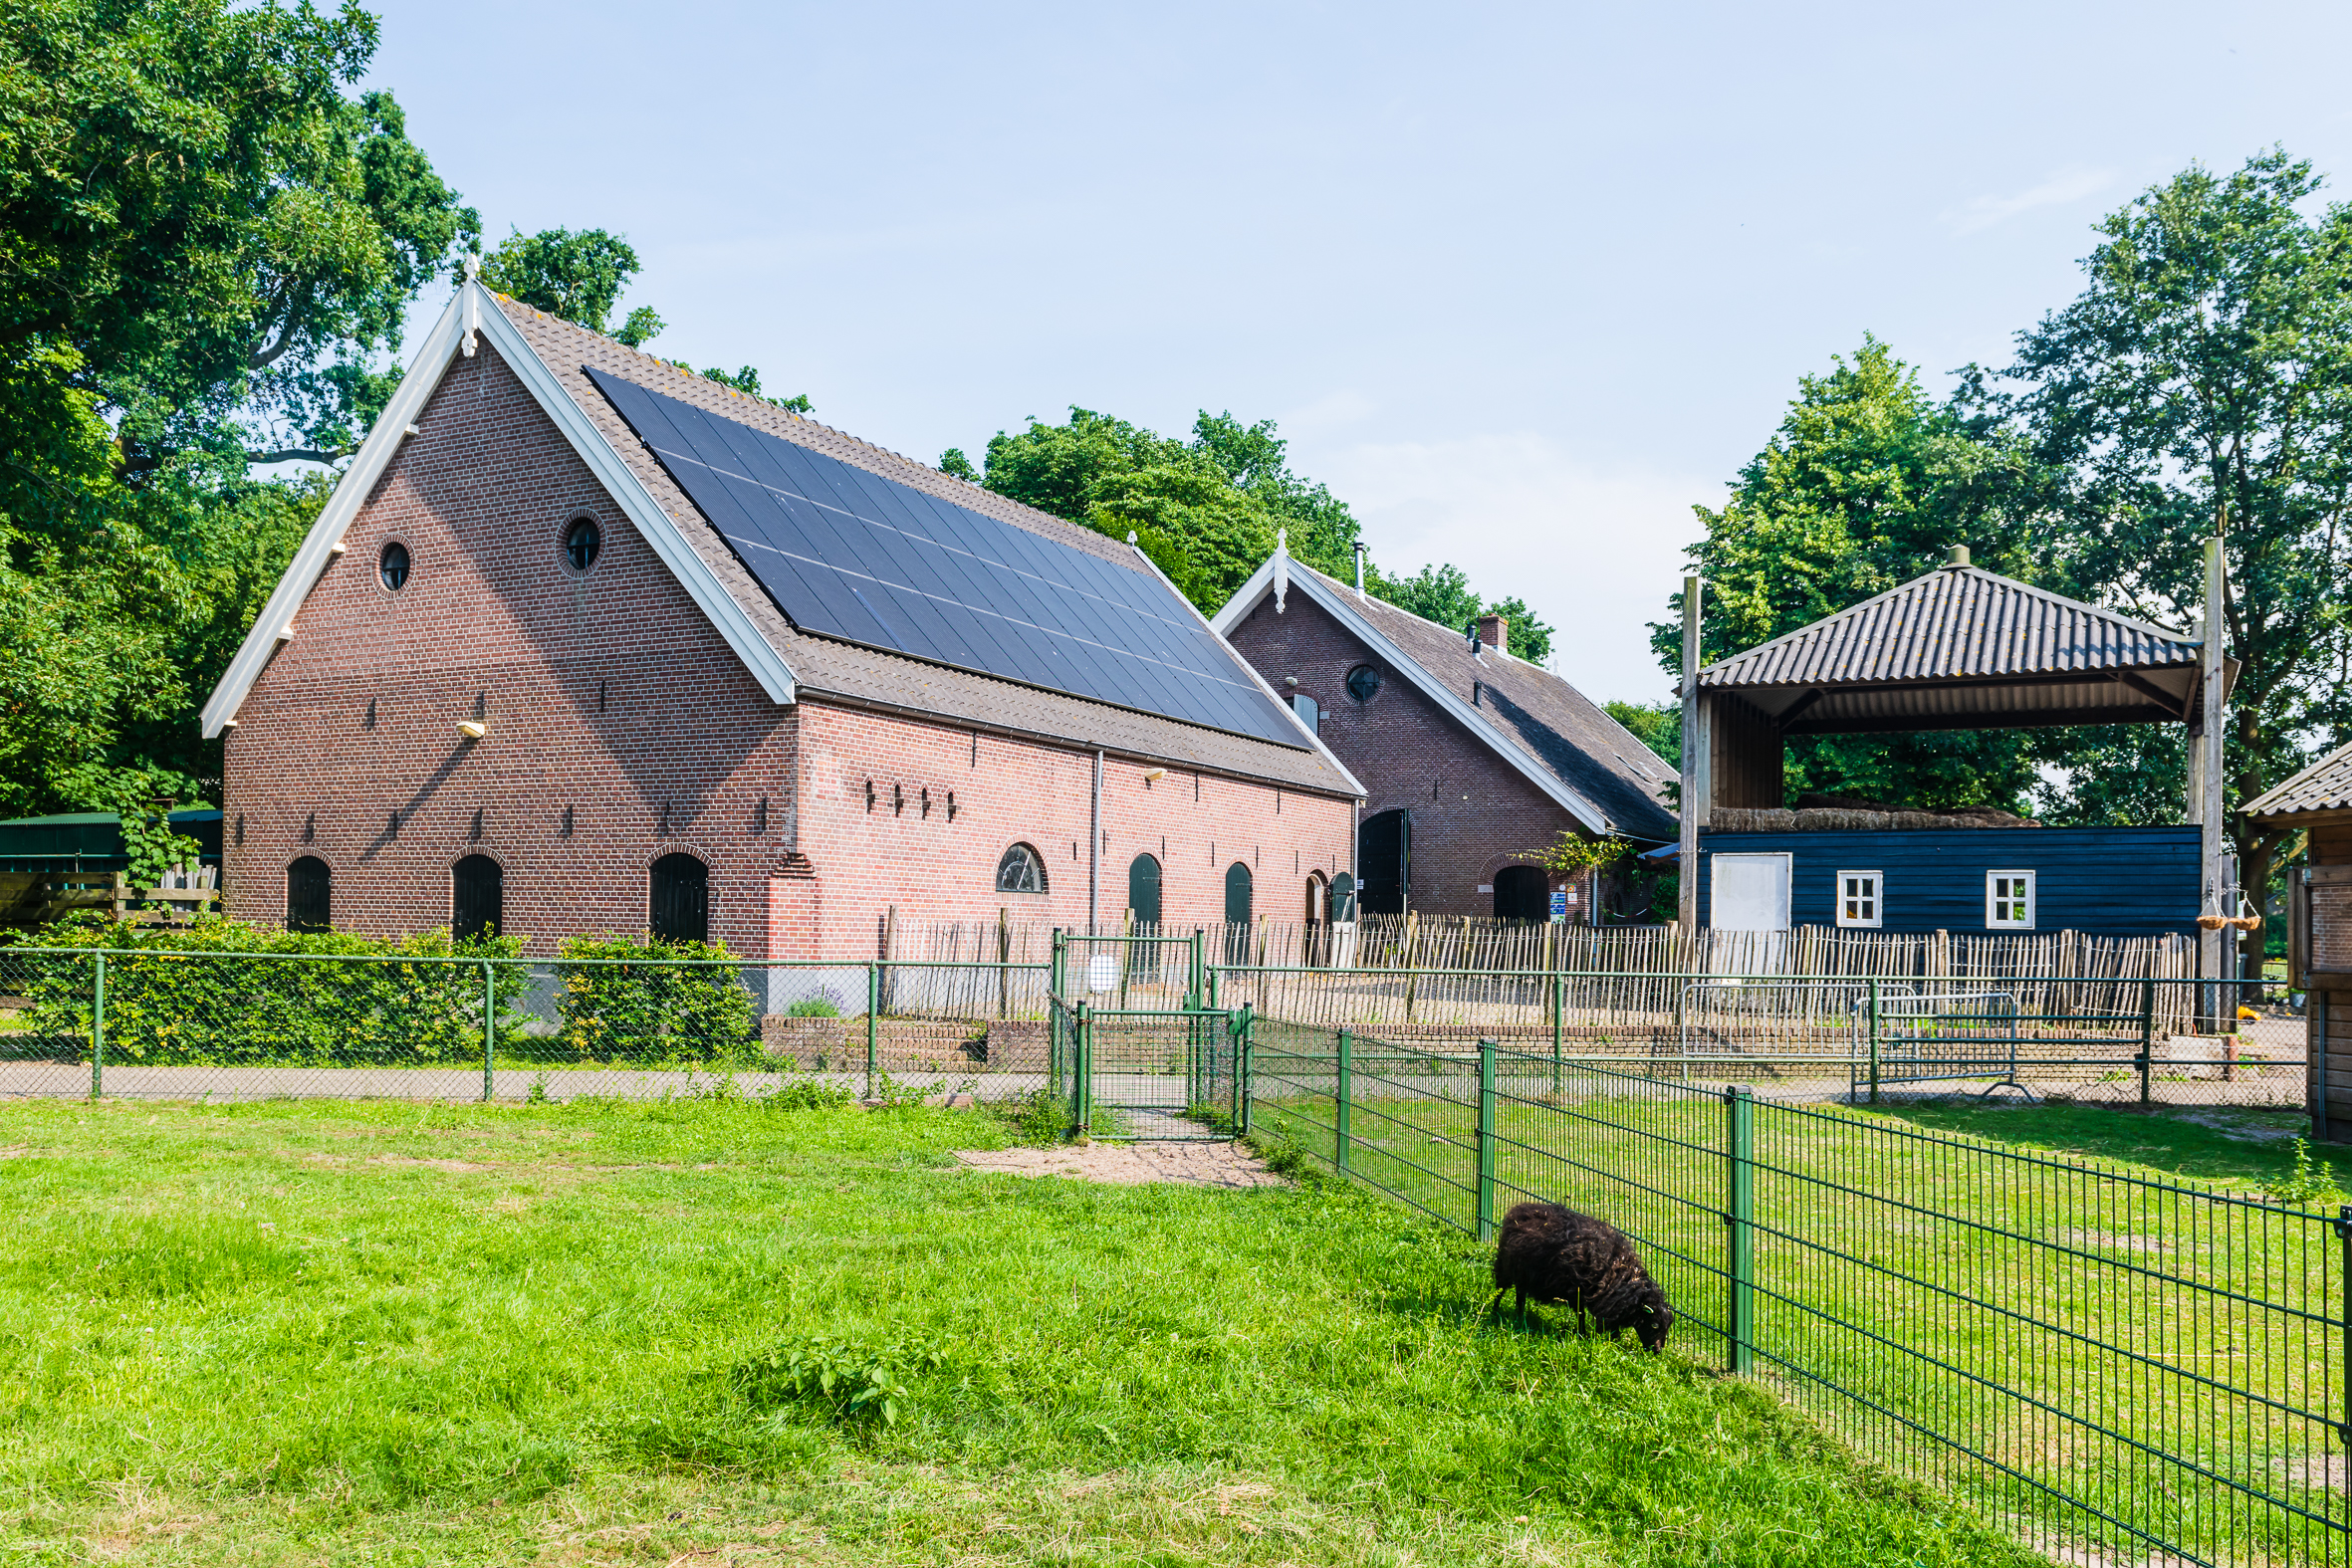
x=1362, y=682
x=582, y=540
x=392, y=565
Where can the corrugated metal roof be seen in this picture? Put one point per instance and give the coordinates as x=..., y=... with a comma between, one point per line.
x=2325, y=785
x=1953, y=623
x=1962, y=647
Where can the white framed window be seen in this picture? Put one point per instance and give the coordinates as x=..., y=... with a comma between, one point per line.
x=2008, y=901
x=1858, y=898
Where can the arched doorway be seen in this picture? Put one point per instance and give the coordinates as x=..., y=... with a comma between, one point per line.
x=309, y=895
x=1343, y=897
x=1523, y=893
x=1239, y=885
x=680, y=902
x=1143, y=907
x=1316, y=937
x=477, y=898
x=1384, y=858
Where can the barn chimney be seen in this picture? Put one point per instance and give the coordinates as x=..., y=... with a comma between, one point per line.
x=1492, y=630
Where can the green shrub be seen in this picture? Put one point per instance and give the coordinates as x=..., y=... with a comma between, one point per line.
x=223, y=994
x=810, y=1094
x=813, y=1008
x=651, y=1013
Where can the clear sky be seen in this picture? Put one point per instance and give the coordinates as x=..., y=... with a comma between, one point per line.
x=1521, y=285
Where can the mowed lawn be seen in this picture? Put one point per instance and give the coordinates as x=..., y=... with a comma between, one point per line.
x=398, y=1334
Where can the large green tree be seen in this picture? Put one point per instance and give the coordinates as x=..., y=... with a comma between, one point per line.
x=2202, y=384
x=207, y=243
x=1866, y=483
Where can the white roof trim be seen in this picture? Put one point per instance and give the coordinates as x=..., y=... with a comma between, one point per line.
x=470, y=312
x=1260, y=584
x=1276, y=697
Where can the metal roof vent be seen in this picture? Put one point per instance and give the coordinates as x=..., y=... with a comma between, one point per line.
x=1957, y=557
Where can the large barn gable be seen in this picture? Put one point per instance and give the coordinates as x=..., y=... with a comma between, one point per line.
x=553, y=358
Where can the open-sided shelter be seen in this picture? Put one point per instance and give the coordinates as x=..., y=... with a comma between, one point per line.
x=2318, y=802
x=1958, y=648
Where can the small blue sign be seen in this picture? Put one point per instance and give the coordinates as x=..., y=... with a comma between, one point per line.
x=1559, y=906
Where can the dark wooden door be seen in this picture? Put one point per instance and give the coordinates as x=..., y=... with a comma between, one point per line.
x=477, y=898
x=681, y=899
x=1144, y=890
x=1385, y=857
x=309, y=895
x=1523, y=893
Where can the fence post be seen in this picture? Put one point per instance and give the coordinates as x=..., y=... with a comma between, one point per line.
x=1340, y=1118
x=1874, y=1041
x=1486, y=1140
x=1246, y=1065
x=1081, y=1087
x=488, y=1029
x=1740, y=1226
x=98, y=1029
x=1054, y=968
x=2344, y=1234
x=2146, y=1062
x=874, y=1004
x=1555, y=1007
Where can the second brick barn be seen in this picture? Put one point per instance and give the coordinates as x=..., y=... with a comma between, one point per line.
x=517, y=676
x=1472, y=760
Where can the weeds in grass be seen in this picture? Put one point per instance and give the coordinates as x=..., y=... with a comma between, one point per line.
x=852, y=1381
x=891, y=1095
x=1037, y=1117
x=810, y=1094
x=2306, y=1181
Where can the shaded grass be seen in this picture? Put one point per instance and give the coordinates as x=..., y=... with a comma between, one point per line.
x=2248, y=1145
x=461, y=1334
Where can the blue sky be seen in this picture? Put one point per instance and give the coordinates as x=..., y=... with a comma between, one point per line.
x=1521, y=285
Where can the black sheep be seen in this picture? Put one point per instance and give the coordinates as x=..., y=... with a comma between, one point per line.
x=1551, y=1253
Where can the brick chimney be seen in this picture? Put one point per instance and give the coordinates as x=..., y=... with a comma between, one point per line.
x=1495, y=632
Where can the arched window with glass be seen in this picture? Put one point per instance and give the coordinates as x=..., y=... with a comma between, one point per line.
x=1021, y=869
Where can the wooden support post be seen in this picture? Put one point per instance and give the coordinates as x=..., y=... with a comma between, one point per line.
x=2209, y=944
x=1687, y=859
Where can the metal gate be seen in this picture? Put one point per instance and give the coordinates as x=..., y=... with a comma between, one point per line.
x=1985, y=1032
x=1150, y=1073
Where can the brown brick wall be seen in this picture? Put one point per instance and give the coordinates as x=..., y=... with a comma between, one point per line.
x=608, y=695
x=1473, y=813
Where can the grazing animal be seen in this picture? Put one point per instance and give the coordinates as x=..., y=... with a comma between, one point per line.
x=1551, y=1253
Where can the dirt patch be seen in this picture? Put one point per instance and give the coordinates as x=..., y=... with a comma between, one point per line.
x=1131, y=1164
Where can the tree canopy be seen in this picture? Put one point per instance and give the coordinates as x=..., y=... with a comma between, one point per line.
x=1206, y=510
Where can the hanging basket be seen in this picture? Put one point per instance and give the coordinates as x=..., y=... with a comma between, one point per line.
x=2211, y=922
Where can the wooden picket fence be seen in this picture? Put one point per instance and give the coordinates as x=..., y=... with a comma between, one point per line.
x=1466, y=971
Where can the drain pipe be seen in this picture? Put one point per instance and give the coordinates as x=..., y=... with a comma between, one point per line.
x=1095, y=854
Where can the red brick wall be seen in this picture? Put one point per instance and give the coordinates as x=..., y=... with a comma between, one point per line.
x=1473, y=813
x=1010, y=792
x=608, y=695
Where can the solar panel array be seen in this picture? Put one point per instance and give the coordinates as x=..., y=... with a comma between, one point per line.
x=847, y=554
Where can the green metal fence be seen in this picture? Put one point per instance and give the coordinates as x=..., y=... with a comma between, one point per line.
x=175, y=1023
x=2112, y=1364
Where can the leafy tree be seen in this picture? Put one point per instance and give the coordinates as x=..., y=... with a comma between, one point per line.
x=1657, y=725
x=575, y=276
x=2202, y=382
x=194, y=212
x=1864, y=485
x=1206, y=510
x=580, y=277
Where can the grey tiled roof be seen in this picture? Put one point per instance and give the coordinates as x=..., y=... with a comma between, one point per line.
x=826, y=667
x=1555, y=726
x=2325, y=785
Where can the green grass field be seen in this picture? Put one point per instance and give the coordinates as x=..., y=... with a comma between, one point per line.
x=2061, y=1322
x=379, y=1333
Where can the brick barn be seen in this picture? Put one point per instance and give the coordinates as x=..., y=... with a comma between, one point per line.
x=526, y=671
x=1470, y=759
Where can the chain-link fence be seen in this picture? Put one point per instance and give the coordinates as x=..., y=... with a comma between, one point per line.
x=2118, y=1367
x=178, y=1025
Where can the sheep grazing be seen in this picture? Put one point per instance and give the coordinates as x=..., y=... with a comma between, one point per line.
x=1551, y=1253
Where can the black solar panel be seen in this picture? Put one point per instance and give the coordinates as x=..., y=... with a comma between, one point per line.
x=850, y=555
